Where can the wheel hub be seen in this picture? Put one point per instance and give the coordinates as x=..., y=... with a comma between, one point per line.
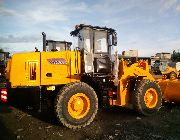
x=78, y=105
x=151, y=98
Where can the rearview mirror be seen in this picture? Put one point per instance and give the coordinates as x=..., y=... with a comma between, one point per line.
x=114, y=39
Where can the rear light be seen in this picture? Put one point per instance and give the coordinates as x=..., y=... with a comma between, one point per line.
x=4, y=95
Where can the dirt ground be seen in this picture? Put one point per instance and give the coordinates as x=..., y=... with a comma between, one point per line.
x=110, y=124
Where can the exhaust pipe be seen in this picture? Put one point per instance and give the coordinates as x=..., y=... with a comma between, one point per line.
x=44, y=41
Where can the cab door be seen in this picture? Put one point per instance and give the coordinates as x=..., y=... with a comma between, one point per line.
x=102, y=62
x=85, y=45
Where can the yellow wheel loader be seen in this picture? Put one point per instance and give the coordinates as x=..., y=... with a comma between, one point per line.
x=80, y=80
x=168, y=70
x=170, y=73
x=170, y=83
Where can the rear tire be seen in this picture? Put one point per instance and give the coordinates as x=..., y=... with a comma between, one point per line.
x=76, y=105
x=147, y=97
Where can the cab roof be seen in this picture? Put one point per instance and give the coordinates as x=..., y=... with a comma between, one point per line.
x=81, y=26
x=64, y=42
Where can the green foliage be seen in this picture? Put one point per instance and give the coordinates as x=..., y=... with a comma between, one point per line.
x=175, y=56
x=1, y=50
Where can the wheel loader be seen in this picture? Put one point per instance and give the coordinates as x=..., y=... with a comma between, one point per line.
x=170, y=73
x=4, y=56
x=170, y=83
x=81, y=80
x=3, y=59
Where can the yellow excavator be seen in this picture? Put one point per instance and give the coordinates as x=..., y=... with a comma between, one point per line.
x=80, y=80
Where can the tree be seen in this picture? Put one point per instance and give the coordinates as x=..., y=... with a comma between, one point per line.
x=175, y=56
x=1, y=50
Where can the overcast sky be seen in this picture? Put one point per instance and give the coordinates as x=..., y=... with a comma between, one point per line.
x=149, y=26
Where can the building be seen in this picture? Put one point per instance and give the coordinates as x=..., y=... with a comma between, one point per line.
x=164, y=56
x=130, y=53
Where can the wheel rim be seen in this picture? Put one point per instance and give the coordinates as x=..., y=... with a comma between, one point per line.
x=151, y=98
x=78, y=105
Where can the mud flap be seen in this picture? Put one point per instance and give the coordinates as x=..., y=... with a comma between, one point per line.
x=3, y=95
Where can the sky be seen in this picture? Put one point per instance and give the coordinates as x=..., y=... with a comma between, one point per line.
x=149, y=26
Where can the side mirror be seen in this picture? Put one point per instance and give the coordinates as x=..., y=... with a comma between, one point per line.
x=114, y=39
x=46, y=43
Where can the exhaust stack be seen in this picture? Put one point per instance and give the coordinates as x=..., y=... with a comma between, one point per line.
x=44, y=41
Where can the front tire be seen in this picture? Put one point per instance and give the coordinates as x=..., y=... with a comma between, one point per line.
x=76, y=105
x=147, y=97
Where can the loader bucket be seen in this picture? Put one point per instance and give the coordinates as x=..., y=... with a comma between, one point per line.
x=170, y=90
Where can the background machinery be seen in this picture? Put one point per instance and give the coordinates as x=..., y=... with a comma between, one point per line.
x=4, y=56
x=52, y=45
x=173, y=70
x=170, y=83
x=78, y=80
x=3, y=59
x=169, y=70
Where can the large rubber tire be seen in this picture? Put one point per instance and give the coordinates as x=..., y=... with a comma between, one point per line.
x=139, y=97
x=64, y=97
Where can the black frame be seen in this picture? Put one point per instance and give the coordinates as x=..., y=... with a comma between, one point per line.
x=109, y=31
x=67, y=44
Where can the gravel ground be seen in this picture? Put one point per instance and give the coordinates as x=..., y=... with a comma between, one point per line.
x=109, y=124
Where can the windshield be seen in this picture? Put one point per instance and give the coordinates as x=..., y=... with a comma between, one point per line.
x=84, y=40
x=100, y=42
x=55, y=46
x=60, y=46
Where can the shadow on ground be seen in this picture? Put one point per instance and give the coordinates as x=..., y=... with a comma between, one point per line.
x=5, y=133
x=110, y=123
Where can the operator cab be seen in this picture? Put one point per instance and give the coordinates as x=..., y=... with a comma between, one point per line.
x=52, y=45
x=95, y=44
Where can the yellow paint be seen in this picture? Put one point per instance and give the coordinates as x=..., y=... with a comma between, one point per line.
x=78, y=105
x=138, y=69
x=21, y=65
x=8, y=68
x=35, y=69
x=168, y=71
x=170, y=90
x=151, y=98
x=60, y=73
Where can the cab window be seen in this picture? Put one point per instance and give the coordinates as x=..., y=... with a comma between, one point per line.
x=84, y=40
x=100, y=42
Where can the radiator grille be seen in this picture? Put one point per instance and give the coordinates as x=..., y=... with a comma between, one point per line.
x=32, y=70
